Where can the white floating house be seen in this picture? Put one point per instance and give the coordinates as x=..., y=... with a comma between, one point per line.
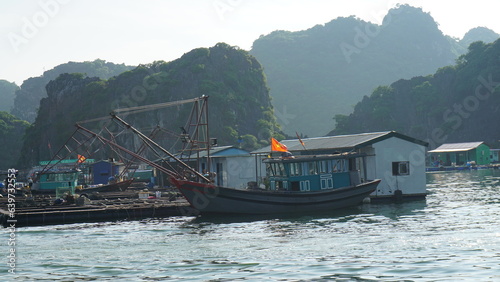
x=398, y=160
x=233, y=167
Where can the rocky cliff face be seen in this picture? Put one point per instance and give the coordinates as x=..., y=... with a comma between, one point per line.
x=318, y=73
x=456, y=104
x=7, y=94
x=11, y=133
x=27, y=98
x=239, y=102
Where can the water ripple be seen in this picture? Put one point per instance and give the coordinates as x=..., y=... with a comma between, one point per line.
x=451, y=236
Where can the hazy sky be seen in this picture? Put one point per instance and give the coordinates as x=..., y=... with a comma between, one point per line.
x=37, y=35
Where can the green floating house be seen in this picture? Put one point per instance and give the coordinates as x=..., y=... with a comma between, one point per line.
x=460, y=154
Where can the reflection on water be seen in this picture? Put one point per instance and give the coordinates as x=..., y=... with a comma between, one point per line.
x=453, y=235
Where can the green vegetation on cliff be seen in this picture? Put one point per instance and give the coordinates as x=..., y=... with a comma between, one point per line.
x=27, y=99
x=11, y=136
x=318, y=73
x=478, y=34
x=458, y=103
x=239, y=103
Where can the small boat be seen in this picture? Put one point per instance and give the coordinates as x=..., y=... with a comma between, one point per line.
x=111, y=187
x=295, y=185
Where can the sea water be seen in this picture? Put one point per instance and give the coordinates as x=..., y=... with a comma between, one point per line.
x=453, y=235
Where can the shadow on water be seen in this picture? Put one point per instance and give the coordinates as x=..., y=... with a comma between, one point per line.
x=286, y=225
x=395, y=210
x=240, y=218
x=444, y=177
x=389, y=210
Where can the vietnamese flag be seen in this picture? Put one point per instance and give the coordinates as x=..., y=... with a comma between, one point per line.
x=81, y=159
x=277, y=146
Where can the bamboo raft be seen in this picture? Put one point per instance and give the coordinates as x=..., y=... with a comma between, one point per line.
x=113, y=207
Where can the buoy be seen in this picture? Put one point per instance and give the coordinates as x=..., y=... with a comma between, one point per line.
x=367, y=200
x=398, y=195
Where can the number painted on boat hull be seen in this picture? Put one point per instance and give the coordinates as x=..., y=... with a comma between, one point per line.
x=326, y=181
x=305, y=185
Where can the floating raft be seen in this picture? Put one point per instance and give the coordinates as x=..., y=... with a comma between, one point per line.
x=103, y=210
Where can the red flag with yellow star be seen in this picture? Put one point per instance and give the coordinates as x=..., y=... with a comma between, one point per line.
x=277, y=146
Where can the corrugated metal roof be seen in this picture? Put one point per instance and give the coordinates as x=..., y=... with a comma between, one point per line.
x=353, y=141
x=456, y=147
x=222, y=151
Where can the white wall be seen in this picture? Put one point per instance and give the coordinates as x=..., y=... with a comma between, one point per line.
x=395, y=150
x=237, y=170
x=370, y=162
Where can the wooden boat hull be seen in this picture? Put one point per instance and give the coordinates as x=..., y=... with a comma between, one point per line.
x=208, y=198
x=119, y=186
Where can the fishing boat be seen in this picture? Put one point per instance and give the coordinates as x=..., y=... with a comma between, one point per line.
x=110, y=187
x=291, y=184
x=294, y=185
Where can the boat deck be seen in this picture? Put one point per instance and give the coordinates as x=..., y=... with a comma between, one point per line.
x=109, y=207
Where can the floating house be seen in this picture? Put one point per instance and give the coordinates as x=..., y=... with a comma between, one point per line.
x=64, y=180
x=63, y=174
x=398, y=160
x=461, y=154
x=232, y=167
x=103, y=171
x=494, y=156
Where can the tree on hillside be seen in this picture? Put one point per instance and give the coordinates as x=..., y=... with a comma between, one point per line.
x=11, y=134
x=456, y=104
x=239, y=102
x=27, y=99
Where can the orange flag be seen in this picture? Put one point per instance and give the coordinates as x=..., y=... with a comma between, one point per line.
x=277, y=146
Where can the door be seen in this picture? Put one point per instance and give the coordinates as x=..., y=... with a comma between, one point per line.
x=219, y=174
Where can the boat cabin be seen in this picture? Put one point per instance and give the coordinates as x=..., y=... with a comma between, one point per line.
x=398, y=160
x=313, y=173
x=50, y=181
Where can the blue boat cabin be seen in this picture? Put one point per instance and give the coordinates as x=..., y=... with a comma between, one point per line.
x=311, y=173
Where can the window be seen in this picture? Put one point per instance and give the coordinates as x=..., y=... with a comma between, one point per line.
x=400, y=168
x=295, y=169
x=269, y=170
x=276, y=169
x=323, y=167
x=280, y=169
x=312, y=168
x=339, y=165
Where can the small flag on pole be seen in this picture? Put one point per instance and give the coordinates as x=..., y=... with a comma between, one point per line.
x=277, y=146
x=81, y=159
x=300, y=140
